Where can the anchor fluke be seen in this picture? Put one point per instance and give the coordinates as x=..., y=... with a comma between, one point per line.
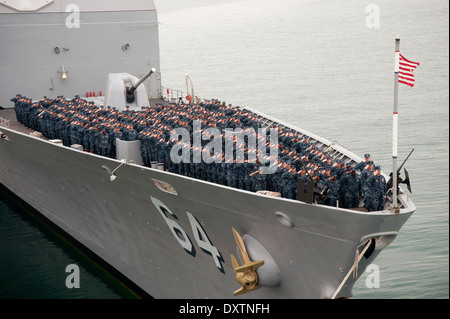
x=246, y=274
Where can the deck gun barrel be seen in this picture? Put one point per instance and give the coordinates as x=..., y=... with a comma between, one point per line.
x=130, y=88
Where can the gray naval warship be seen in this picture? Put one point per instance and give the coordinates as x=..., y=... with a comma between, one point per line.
x=171, y=235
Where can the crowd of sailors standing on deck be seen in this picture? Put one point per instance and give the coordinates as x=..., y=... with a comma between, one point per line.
x=78, y=121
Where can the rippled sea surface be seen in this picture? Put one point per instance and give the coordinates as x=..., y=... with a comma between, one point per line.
x=323, y=65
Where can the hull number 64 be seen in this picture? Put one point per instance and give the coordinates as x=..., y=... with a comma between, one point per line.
x=183, y=239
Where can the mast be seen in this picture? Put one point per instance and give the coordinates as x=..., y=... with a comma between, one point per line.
x=395, y=124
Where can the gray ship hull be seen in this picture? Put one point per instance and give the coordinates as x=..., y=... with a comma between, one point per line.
x=179, y=245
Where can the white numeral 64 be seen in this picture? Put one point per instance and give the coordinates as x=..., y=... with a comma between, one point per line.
x=180, y=235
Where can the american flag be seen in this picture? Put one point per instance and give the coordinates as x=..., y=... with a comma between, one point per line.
x=405, y=73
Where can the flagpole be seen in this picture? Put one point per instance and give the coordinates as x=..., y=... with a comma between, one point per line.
x=395, y=124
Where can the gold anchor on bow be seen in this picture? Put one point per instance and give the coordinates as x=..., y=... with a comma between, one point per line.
x=246, y=274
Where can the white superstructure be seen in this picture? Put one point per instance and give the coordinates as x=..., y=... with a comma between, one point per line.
x=64, y=48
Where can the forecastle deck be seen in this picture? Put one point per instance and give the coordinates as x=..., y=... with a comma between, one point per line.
x=297, y=155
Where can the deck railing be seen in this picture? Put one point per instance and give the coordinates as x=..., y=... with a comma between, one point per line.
x=172, y=95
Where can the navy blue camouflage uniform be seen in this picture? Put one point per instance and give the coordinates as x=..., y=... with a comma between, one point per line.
x=376, y=191
x=77, y=121
x=350, y=189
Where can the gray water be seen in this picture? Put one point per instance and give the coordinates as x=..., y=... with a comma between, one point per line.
x=325, y=66
x=33, y=261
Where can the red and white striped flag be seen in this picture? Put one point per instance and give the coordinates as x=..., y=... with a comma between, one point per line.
x=405, y=73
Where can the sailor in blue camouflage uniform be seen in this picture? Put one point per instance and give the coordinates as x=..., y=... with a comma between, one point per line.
x=214, y=172
x=117, y=134
x=361, y=165
x=277, y=178
x=303, y=174
x=132, y=134
x=291, y=184
x=340, y=169
x=325, y=175
x=51, y=130
x=22, y=106
x=316, y=179
x=231, y=174
x=153, y=145
x=92, y=137
x=284, y=181
x=33, y=117
x=65, y=131
x=365, y=174
x=144, y=145
x=376, y=191
x=73, y=133
x=42, y=124
x=333, y=191
x=222, y=173
x=96, y=143
x=258, y=182
x=350, y=189
x=79, y=133
x=104, y=144
x=240, y=170
x=85, y=137
x=162, y=151
x=203, y=168
x=248, y=169
x=208, y=169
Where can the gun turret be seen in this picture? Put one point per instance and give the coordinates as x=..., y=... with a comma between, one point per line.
x=130, y=88
x=122, y=93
